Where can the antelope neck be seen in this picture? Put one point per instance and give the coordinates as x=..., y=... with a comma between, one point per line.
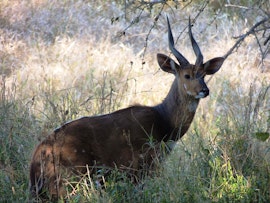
x=178, y=109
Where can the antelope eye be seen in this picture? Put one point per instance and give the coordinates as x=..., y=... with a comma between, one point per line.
x=187, y=76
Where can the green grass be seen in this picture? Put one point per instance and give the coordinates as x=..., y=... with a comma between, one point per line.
x=61, y=61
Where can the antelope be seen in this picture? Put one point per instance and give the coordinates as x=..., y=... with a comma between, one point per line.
x=121, y=139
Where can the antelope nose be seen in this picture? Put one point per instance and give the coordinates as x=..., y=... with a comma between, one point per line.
x=205, y=91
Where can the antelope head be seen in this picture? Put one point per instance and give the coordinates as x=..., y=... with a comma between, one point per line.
x=190, y=77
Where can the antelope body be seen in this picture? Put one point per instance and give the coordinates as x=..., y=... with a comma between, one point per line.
x=121, y=139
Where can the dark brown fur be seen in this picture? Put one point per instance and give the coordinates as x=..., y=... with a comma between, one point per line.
x=122, y=139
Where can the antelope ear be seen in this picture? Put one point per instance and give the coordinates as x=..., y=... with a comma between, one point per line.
x=167, y=64
x=213, y=65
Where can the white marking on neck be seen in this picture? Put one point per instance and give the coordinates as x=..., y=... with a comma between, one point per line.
x=192, y=106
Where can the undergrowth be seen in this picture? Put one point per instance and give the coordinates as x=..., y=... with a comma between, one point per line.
x=73, y=66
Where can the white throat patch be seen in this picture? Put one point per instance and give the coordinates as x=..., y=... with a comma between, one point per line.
x=192, y=106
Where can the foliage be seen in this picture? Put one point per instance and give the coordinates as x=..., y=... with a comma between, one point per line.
x=63, y=60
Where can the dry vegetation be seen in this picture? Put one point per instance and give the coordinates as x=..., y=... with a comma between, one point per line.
x=60, y=60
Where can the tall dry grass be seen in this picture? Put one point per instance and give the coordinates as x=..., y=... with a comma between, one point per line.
x=64, y=59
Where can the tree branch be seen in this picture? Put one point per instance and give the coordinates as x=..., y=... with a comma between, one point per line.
x=242, y=37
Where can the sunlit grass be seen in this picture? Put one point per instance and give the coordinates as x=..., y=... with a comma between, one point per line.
x=61, y=61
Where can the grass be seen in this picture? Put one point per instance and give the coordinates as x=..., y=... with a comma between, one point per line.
x=63, y=60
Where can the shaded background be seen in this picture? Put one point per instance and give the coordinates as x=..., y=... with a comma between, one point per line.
x=60, y=60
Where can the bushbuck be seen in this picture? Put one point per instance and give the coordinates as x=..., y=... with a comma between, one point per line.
x=122, y=139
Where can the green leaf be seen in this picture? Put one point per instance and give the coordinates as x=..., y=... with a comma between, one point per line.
x=263, y=136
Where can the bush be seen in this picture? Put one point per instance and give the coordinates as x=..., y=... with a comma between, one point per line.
x=61, y=61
